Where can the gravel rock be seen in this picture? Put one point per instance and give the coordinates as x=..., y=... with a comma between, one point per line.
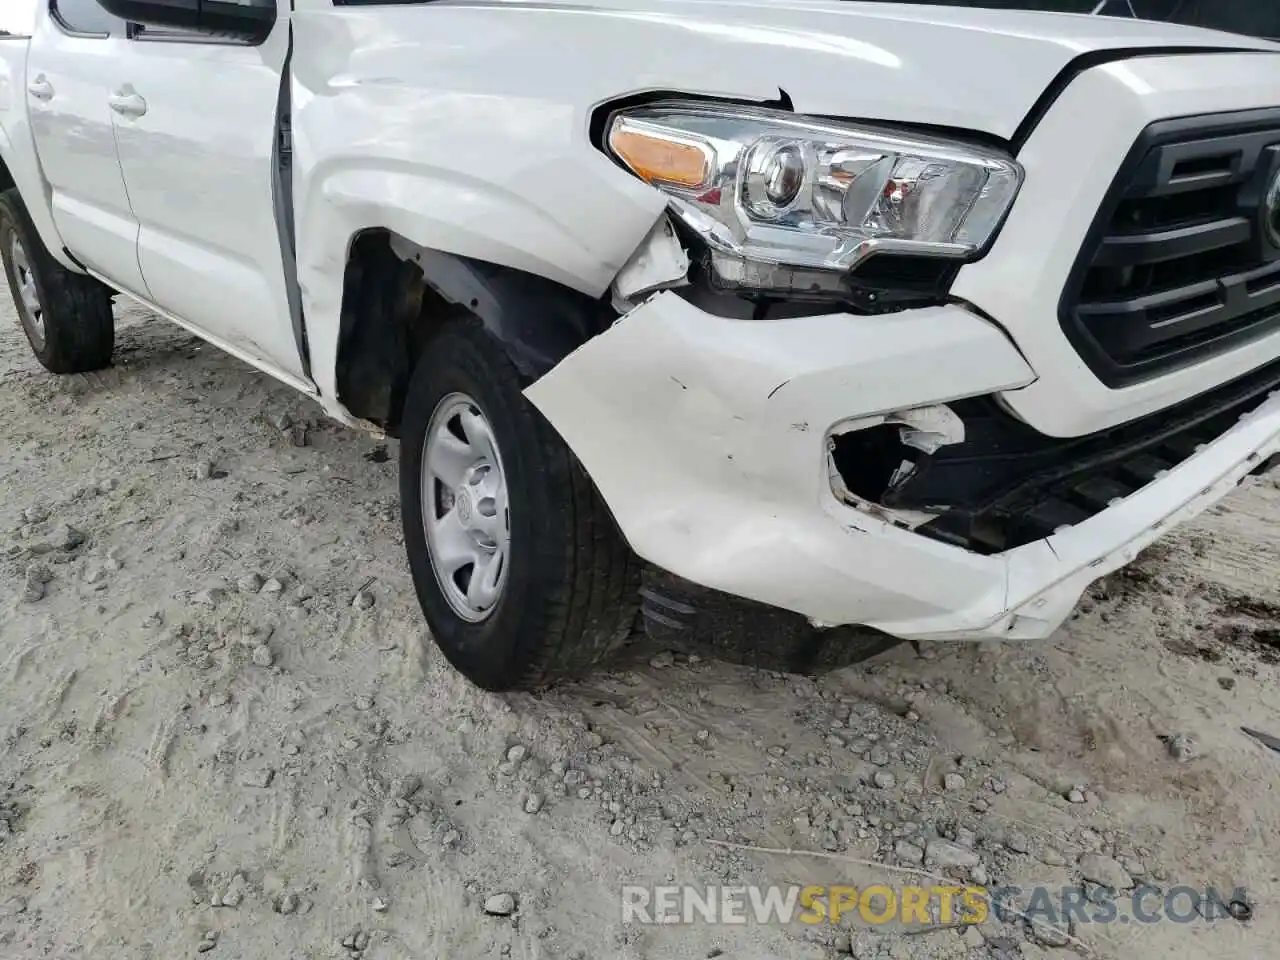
x=257, y=777
x=363, y=600
x=219, y=698
x=516, y=753
x=947, y=854
x=250, y=583
x=402, y=788
x=1075, y=795
x=533, y=803
x=1050, y=934
x=1181, y=747
x=273, y=587
x=202, y=470
x=39, y=573
x=884, y=780
x=262, y=656
x=287, y=904
x=908, y=852
x=1051, y=857
x=62, y=538
x=953, y=781
x=210, y=596
x=500, y=905
x=1017, y=842
x=1105, y=871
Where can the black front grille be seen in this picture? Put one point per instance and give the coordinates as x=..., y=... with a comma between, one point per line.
x=1180, y=263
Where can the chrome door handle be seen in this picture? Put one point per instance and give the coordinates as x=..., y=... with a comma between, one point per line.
x=40, y=88
x=128, y=105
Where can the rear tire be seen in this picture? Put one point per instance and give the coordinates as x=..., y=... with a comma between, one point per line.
x=563, y=591
x=66, y=316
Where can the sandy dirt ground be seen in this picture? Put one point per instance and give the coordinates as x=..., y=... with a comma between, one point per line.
x=226, y=731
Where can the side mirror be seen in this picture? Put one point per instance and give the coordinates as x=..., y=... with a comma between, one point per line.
x=249, y=20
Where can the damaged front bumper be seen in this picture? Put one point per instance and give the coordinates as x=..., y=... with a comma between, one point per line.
x=710, y=440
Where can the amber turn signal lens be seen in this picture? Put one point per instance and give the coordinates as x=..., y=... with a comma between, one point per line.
x=653, y=157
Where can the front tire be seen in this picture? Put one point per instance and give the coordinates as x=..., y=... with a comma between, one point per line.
x=66, y=316
x=521, y=572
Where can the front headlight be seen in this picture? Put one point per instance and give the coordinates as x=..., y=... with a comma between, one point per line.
x=782, y=200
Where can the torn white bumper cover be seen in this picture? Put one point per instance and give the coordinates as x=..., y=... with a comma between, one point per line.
x=707, y=438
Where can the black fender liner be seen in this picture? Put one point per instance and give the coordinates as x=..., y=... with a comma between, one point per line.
x=538, y=322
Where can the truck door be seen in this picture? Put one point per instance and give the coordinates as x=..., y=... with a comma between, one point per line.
x=196, y=133
x=76, y=49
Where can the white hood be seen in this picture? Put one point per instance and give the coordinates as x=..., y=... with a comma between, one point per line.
x=973, y=69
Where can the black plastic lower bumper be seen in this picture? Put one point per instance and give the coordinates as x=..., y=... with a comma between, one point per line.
x=1007, y=485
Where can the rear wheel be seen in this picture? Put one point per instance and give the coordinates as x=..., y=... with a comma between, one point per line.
x=66, y=316
x=520, y=570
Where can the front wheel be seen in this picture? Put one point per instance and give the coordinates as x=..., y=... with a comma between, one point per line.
x=66, y=316
x=520, y=570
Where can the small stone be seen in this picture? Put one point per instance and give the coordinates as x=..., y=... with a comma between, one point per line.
x=234, y=892
x=209, y=596
x=32, y=591
x=64, y=538
x=1050, y=856
x=663, y=660
x=250, y=583
x=908, y=852
x=257, y=777
x=533, y=803
x=1181, y=747
x=402, y=788
x=379, y=905
x=39, y=573
x=262, y=656
x=1016, y=842
x=1050, y=934
x=1104, y=871
x=219, y=698
x=1227, y=683
x=363, y=600
x=884, y=780
x=516, y=753
x=451, y=839
x=364, y=703
x=287, y=904
x=978, y=874
x=202, y=470
x=953, y=781
x=972, y=937
x=584, y=793
x=500, y=905
x=273, y=586
x=944, y=853
x=1075, y=795
x=616, y=828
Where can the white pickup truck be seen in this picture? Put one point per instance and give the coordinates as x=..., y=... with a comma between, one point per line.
x=882, y=319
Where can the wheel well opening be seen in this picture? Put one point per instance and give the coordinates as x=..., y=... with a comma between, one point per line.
x=389, y=314
x=6, y=178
